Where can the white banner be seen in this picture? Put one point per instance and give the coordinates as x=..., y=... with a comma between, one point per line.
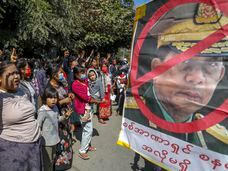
x=173, y=153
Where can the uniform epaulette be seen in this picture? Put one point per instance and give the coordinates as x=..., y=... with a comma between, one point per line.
x=218, y=131
x=198, y=116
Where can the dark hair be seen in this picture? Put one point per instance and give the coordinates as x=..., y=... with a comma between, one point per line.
x=66, y=50
x=21, y=63
x=97, y=53
x=78, y=70
x=49, y=92
x=103, y=63
x=91, y=60
x=71, y=59
x=52, y=70
x=4, y=65
x=80, y=61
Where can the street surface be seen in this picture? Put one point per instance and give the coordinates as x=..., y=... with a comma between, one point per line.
x=109, y=156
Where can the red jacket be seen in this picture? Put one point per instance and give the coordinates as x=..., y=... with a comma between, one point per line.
x=81, y=96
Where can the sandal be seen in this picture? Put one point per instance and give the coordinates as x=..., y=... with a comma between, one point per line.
x=91, y=148
x=84, y=156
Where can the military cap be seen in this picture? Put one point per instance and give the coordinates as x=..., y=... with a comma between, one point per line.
x=185, y=33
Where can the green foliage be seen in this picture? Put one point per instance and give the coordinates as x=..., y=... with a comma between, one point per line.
x=106, y=22
x=123, y=53
x=32, y=24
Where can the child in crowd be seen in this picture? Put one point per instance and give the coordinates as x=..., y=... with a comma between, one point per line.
x=95, y=87
x=88, y=113
x=48, y=117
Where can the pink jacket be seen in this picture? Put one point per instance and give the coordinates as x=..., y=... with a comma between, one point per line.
x=81, y=96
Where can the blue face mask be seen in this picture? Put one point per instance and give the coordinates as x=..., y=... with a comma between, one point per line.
x=83, y=76
x=61, y=78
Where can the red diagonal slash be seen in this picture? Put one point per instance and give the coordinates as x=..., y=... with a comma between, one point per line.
x=211, y=119
x=222, y=5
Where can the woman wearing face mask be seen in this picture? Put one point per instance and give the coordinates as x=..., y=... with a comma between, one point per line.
x=58, y=81
x=105, y=107
x=82, y=98
x=20, y=147
x=26, y=81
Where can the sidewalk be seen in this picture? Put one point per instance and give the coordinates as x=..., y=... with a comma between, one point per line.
x=109, y=156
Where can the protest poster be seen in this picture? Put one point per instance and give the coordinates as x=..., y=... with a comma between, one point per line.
x=176, y=108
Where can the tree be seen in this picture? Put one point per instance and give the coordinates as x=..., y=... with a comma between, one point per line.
x=38, y=24
x=107, y=23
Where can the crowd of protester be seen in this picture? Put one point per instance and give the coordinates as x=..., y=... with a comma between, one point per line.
x=45, y=100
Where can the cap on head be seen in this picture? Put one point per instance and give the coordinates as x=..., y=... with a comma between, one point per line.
x=186, y=33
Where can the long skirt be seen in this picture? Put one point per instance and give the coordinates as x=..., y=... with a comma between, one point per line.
x=64, y=151
x=105, y=108
x=16, y=156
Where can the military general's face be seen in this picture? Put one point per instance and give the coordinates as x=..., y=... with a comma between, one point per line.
x=189, y=85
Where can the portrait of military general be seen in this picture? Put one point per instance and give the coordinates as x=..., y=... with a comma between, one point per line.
x=191, y=89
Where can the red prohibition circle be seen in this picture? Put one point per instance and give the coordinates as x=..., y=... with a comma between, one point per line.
x=213, y=117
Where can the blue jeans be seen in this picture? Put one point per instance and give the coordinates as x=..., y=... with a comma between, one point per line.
x=87, y=131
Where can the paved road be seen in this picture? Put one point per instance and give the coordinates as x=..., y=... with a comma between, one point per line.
x=109, y=156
